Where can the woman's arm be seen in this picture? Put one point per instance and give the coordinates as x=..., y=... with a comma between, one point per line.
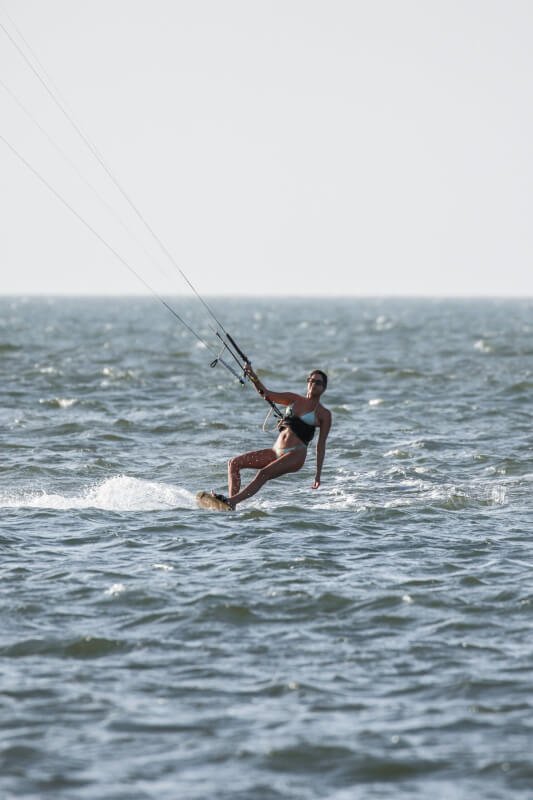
x=285, y=398
x=325, y=425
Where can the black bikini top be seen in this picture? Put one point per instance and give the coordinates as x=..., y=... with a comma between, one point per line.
x=302, y=429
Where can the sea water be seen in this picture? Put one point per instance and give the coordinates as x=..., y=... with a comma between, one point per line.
x=372, y=639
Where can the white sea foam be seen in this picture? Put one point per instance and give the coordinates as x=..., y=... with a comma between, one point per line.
x=47, y=370
x=396, y=453
x=383, y=323
x=60, y=402
x=115, y=589
x=120, y=493
x=482, y=346
x=359, y=494
x=66, y=402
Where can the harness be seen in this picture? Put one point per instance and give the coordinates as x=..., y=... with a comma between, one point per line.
x=303, y=431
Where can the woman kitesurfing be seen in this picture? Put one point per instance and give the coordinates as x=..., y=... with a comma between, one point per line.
x=303, y=415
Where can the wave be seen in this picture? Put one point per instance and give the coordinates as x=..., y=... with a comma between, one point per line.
x=416, y=494
x=120, y=493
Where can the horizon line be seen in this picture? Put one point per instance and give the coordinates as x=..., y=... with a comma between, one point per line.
x=263, y=296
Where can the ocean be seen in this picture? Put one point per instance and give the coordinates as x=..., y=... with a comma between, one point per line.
x=371, y=639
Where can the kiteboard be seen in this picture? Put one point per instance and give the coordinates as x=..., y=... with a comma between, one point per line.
x=208, y=500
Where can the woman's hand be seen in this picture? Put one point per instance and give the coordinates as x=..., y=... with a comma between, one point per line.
x=250, y=373
x=316, y=484
x=248, y=370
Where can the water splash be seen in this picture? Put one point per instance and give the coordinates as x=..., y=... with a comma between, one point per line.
x=120, y=493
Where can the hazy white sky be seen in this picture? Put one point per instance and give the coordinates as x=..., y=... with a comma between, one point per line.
x=279, y=146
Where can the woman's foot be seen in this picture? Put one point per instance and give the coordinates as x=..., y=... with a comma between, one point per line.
x=223, y=499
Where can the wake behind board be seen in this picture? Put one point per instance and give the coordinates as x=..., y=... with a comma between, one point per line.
x=206, y=500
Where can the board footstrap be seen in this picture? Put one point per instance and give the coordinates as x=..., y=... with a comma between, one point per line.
x=213, y=501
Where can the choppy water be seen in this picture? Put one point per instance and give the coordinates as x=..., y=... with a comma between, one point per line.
x=369, y=640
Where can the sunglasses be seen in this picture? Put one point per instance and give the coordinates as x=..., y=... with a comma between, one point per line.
x=314, y=380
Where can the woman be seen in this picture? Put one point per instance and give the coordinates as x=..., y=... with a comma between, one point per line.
x=296, y=429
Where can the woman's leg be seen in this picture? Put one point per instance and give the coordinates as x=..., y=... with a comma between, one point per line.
x=290, y=462
x=253, y=460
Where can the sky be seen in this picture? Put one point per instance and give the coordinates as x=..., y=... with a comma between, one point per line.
x=280, y=147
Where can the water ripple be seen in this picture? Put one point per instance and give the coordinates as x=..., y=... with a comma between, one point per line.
x=370, y=639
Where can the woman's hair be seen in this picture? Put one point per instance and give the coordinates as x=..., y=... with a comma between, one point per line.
x=322, y=375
